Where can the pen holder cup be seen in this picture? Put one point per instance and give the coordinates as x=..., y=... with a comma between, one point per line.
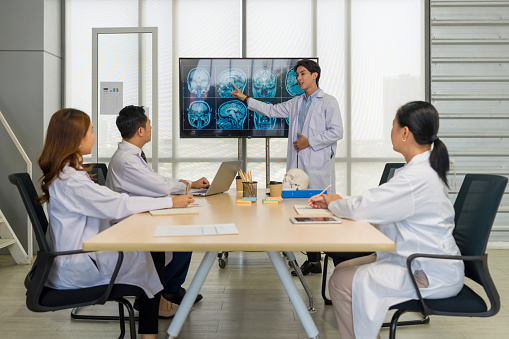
x=249, y=189
x=238, y=183
x=275, y=187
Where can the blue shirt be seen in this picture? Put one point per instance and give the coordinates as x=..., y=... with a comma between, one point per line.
x=304, y=109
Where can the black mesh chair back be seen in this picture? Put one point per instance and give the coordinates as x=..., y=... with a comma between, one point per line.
x=35, y=211
x=389, y=170
x=98, y=172
x=476, y=208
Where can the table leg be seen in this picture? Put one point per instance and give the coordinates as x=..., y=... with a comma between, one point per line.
x=293, y=262
x=295, y=298
x=191, y=294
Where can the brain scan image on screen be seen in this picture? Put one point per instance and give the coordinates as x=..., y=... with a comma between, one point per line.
x=199, y=114
x=231, y=115
x=287, y=121
x=264, y=122
x=198, y=81
x=264, y=84
x=292, y=86
x=227, y=78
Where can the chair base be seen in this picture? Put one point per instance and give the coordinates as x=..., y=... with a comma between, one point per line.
x=120, y=318
x=395, y=323
x=76, y=316
x=424, y=321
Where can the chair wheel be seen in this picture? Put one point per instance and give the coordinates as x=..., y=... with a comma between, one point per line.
x=222, y=263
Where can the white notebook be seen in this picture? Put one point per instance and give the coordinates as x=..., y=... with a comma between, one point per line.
x=308, y=210
x=174, y=211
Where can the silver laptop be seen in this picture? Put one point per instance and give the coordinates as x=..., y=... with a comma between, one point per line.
x=222, y=181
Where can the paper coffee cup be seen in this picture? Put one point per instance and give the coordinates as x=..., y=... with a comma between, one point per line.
x=275, y=187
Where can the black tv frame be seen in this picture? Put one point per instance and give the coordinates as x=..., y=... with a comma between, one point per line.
x=184, y=101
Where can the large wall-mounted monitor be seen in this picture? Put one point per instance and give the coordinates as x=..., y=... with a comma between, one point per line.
x=207, y=109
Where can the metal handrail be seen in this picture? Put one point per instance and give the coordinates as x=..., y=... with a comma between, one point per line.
x=29, y=171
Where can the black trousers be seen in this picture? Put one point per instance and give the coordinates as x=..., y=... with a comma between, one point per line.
x=313, y=256
x=149, y=307
x=176, y=271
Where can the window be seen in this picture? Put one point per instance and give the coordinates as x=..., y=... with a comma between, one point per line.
x=371, y=54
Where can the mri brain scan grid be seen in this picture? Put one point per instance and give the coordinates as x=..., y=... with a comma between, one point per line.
x=206, y=84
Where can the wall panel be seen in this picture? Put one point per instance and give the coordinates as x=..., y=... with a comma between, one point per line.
x=470, y=89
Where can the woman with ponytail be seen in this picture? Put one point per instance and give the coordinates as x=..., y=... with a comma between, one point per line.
x=79, y=209
x=414, y=211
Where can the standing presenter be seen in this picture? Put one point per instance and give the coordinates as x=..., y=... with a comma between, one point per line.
x=314, y=128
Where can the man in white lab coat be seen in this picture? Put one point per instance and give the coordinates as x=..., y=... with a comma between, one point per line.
x=315, y=126
x=129, y=172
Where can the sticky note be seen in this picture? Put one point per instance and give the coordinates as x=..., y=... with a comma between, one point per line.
x=266, y=201
x=274, y=198
x=249, y=198
x=243, y=202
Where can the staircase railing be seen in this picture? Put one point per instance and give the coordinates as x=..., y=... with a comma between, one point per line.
x=29, y=248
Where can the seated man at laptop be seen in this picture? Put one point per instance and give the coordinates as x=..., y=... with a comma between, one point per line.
x=129, y=172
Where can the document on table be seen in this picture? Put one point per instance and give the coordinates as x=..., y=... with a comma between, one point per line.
x=193, y=230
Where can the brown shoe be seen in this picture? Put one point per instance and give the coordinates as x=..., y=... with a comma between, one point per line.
x=167, y=309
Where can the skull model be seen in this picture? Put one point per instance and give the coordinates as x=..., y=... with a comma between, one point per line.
x=198, y=82
x=264, y=84
x=231, y=76
x=199, y=113
x=231, y=115
x=292, y=86
x=295, y=179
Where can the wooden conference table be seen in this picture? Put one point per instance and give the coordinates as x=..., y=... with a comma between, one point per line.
x=262, y=227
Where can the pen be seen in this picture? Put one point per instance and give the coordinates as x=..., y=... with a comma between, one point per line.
x=325, y=189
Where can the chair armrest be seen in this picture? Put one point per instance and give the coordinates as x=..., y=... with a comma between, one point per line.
x=40, y=273
x=485, y=279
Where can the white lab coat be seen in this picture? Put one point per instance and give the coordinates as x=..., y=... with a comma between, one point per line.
x=79, y=209
x=129, y=173
x=323, y=128
x=413, y=210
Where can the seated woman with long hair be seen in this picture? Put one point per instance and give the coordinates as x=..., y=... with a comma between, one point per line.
x=414, y=211
x=78, y=209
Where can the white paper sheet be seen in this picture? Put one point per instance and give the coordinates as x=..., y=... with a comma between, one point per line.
x=194, y=230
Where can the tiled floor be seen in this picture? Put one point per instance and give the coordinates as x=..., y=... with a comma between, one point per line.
x=243, y=300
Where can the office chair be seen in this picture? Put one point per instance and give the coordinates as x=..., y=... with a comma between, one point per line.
x=98, y=172
x=41, y=298
x=388, y=173
x=476, y=207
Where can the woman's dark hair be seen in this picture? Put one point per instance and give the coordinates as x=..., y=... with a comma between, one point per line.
x=421, y=118
x=311, y=66
x=129, y=119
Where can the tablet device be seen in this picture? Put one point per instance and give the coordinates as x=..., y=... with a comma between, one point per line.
x=315, y=220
